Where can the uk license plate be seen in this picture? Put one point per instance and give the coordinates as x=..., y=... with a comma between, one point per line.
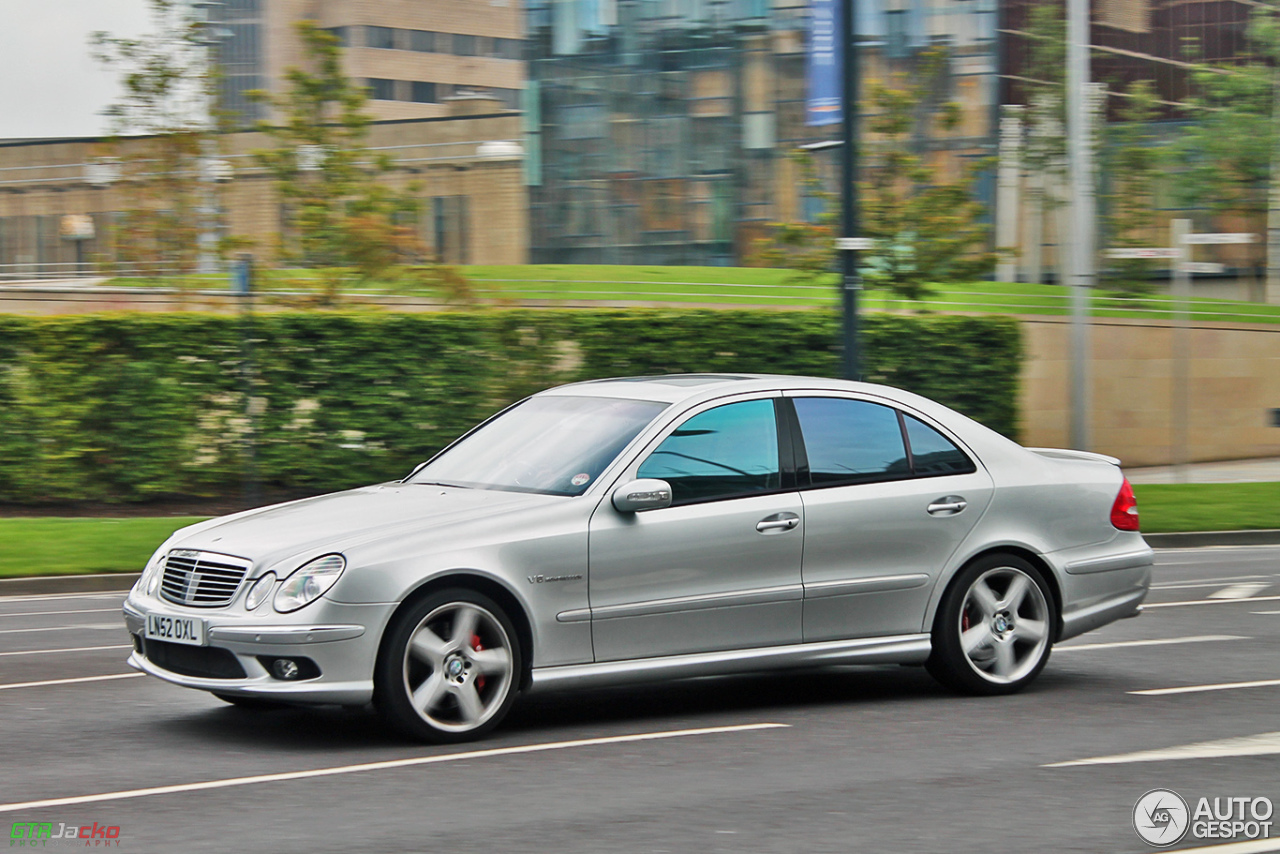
x=188, y=630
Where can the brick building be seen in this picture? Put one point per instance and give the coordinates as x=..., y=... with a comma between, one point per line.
x=59, y=199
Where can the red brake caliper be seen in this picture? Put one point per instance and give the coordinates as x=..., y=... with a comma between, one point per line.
x=964, y=621
x=478, y=646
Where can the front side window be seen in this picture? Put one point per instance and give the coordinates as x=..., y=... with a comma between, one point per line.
x=725, y=452
x=851, y=441
x=547, y=445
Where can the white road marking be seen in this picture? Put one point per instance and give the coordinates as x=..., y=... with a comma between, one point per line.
x=1265, y=612
x=1239, y=591
x=68, y=649
x=1204, y=582
x=1155, y=642
x=101, y=594
x=1198, y=689
x=1266, y=744
x=1253, y=846
x=85, y=627
x=1149, y=605
x=58, y=613
x=381, y=766
x=71, y=681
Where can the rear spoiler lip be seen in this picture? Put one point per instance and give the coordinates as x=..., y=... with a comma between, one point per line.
x=1065, y=454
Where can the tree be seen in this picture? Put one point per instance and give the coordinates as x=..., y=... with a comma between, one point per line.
x=341, y=218
x=167, y=89
x=1133, y=161
x=805, y=248
x=928, y=229
x=1227, y=154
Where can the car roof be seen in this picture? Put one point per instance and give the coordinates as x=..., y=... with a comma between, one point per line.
x=679, y=388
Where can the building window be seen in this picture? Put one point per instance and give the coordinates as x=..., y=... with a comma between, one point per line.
x=508, y=48
x=1131, y=15
x=422, y=40
x=424, y=92
x=382, y=90
x=896, y=33
x=342, y=34
x=464, y=45
x=380, y=37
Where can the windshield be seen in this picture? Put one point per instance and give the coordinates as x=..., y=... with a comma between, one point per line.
x=549, y=445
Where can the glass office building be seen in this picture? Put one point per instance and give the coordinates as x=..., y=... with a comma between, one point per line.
x=661, y=131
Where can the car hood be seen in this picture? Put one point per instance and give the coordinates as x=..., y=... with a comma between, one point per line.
x=329, y=523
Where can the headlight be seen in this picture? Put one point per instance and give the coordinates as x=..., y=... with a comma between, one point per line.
x=258, y=592
x=150, y=577
x=308, y=583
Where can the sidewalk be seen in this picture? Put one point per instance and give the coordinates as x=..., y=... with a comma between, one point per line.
x=1230, y=471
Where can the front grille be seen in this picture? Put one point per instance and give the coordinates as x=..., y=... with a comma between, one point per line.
x=202, y=579
x=204, y=662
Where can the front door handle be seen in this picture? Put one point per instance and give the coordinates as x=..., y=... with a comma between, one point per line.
x=948, y=506
x=777, y=523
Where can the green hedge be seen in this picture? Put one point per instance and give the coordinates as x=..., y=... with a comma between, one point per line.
x=124, y=408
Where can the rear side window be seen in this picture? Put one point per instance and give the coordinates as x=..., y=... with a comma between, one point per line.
x=933, y=453
x=851, y=441
x=728, y=451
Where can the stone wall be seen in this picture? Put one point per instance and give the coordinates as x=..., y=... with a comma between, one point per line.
x=1234, y=383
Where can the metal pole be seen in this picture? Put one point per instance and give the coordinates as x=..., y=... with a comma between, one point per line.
x=851, y=281
x=1181, y=407
x=242, y=285
x=1081, y=254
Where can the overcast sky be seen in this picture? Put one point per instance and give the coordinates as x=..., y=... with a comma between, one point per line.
x=49, y=83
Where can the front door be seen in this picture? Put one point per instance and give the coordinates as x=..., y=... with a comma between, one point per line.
x=718, y=569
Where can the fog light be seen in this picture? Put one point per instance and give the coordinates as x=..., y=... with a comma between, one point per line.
x=285, y=668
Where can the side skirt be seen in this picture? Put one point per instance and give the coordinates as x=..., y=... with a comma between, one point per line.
x=898, y=649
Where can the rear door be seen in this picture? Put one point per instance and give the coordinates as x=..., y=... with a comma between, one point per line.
x=889, y=497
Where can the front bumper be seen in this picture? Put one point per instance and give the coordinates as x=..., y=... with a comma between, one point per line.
x=342, y=644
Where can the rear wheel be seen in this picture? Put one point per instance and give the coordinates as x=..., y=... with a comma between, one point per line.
x=449, y=669
x=994, y=628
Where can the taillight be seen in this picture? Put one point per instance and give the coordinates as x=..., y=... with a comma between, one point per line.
x=1124, y=512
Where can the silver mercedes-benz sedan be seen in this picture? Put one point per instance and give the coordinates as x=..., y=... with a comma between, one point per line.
x=652, y=528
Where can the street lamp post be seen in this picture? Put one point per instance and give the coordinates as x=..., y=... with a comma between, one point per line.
x=1081, y=257
x=851, y=280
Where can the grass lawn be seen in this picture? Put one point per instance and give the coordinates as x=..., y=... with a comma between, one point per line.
x=1168, y=507
x=756, y=286
x=76, y=546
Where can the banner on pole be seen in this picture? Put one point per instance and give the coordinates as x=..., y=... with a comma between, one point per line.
x=824, y=64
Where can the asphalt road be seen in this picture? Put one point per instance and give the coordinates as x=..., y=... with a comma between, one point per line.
x=864, y=760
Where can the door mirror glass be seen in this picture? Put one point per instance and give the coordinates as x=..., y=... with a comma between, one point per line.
x=638, y=495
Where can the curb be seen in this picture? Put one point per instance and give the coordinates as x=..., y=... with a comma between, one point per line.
x=113, y=582
x=1196, y=539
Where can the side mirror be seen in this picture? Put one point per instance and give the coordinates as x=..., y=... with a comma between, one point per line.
x=641, y=495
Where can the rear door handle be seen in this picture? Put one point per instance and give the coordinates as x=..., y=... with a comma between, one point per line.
x=777, y=523
x=948, y=506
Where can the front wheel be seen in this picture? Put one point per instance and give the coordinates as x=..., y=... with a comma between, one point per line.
x=994, y=628
x=449, y=669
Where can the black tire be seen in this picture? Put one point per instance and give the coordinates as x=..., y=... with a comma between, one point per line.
x=251, y=704
x=476, y=670
x=986, y=643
